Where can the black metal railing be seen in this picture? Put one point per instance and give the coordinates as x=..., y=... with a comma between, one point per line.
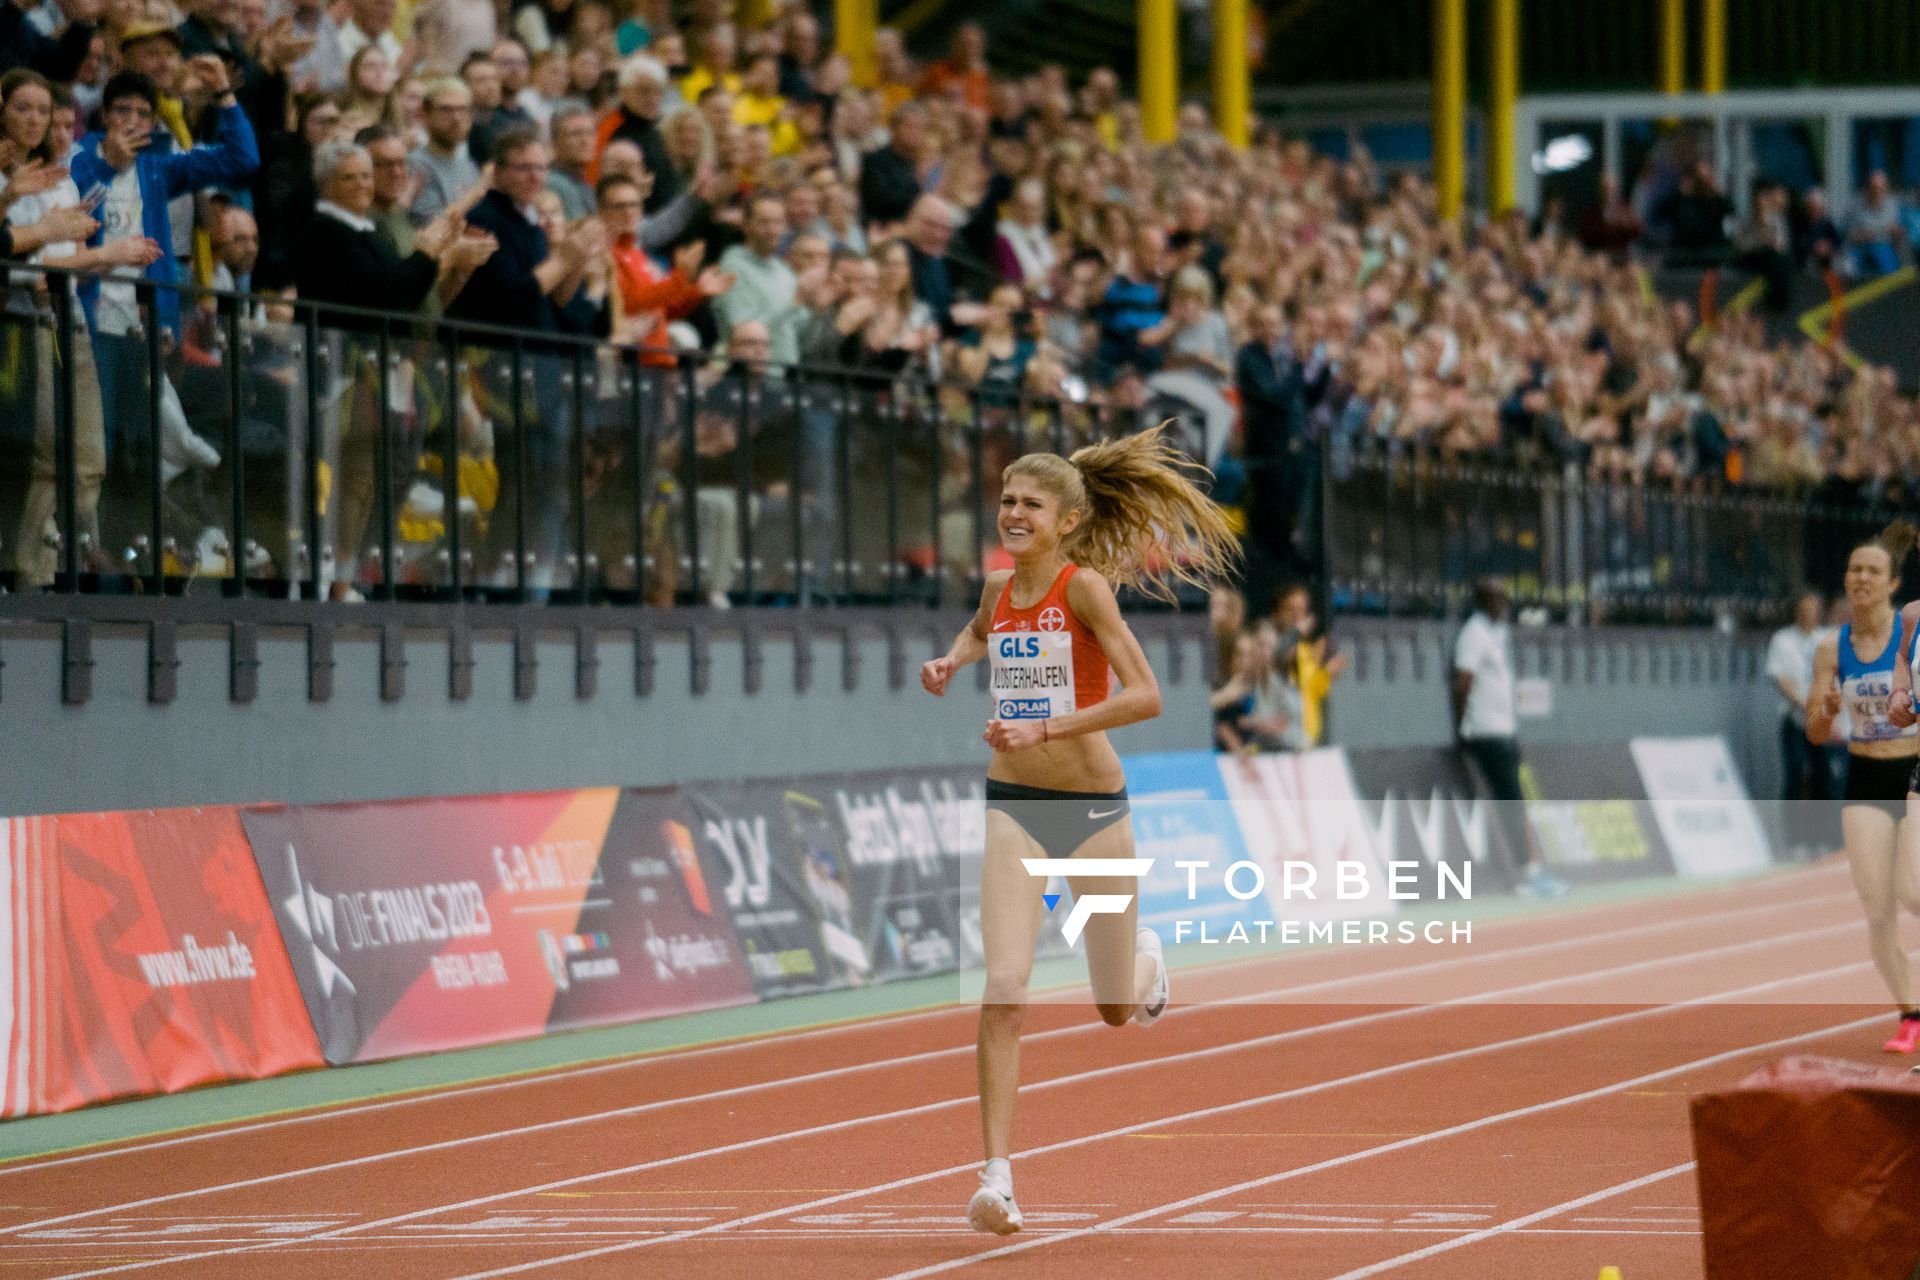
x=1409, y=535
x=400, y=457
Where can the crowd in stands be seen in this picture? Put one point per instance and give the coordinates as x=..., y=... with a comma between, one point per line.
x=724, y=200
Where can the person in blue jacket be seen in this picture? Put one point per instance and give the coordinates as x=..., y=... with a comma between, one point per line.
x=133, y=182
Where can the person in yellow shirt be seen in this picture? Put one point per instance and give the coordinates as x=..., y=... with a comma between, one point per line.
x=893, y=72
x=759, y=103
x=1101, y=100
x=719, y=51
x=1315, y=668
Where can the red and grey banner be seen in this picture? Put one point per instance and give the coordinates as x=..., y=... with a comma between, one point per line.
x=424, y=925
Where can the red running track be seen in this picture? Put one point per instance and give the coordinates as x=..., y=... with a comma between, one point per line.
x=1293, y=1116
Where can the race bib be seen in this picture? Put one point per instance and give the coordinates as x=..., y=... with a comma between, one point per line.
x=1032, y=674
x=1867, y=697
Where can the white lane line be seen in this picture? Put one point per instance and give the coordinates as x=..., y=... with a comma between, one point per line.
x=643, y=1108
x=1516, y=1224
x=1337, y=1162
x=1187, y=1056
x=1301, y=1091
x=641, y=1061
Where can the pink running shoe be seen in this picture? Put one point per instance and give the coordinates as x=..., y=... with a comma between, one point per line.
x=1908, y=1038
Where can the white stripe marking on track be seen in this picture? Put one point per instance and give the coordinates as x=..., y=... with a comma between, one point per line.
x=640, y=1061
x=378, y=1157
x=1521, y=1223
x=1337, y=1162
x=882, y=1188
x=1300, y=1091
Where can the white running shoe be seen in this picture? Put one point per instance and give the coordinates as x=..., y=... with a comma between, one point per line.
x=1148, y=941
x=992, y=1209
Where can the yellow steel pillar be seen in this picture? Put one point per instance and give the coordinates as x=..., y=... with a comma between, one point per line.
x=1450, y=105
x=1673, y=46
x=1503, y=82
x=1231, y=97
x=1713, y=46
x=854, y=22
x=1159, y=68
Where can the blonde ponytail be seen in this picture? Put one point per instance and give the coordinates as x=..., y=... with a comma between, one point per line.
x=1144, y=519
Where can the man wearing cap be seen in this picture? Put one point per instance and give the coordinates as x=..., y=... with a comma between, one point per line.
x=1486, y=724
x=154, y=50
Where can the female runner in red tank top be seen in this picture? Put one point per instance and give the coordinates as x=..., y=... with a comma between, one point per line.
x=1052, y=631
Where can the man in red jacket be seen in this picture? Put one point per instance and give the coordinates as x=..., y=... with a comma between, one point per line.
x=650, y=297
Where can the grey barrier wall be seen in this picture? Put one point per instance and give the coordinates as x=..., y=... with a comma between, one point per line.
x=98, y=714
x=127, y=703
x=1603, y=683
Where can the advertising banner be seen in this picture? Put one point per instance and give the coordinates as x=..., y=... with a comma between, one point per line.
x=141, y=957
x=1302, y=823
x=779, y=871
x=1709, y=825
x=1589, y=813
x=1424, y=804
x=421, y=925
x=1182, y=814
x=912, y=841
x=848, y=880
x=23, y=972
x=654, y=940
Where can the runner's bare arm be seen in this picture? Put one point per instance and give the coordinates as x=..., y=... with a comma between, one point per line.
x=971, y=644
x=1823, y=696
x=1900, y=701
x=1091, y=600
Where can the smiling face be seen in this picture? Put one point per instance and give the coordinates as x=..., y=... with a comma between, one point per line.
x=351, y=184
x=1031, y=522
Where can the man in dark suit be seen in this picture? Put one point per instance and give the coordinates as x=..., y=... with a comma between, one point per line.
x=890, y=175
x=1273, y=411
x=523, y=286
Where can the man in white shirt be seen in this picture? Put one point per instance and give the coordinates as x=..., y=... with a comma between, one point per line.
x=371, y=22
x=322, y=68
x=1803, y=776
x=1487, y=726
